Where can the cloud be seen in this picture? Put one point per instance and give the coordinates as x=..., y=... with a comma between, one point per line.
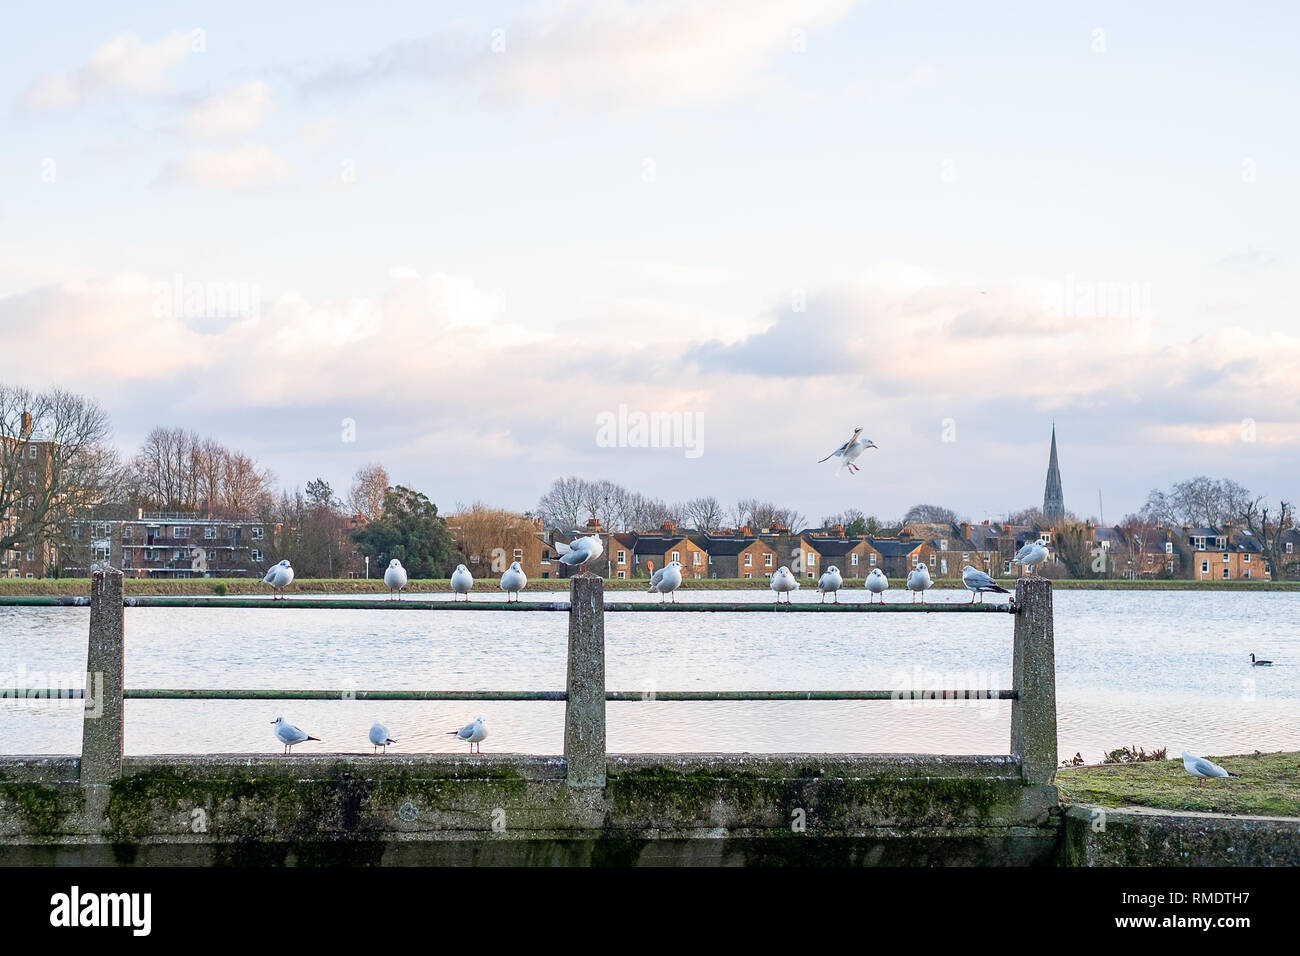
x=319, y=132
x=231, y=113
x=603, y=55
x=244, y=167
x=123, y=64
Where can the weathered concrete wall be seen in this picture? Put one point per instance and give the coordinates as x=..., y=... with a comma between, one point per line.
x=701, y=809
x=1137, y=836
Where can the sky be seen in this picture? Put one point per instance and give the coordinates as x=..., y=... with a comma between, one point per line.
x=456, y=238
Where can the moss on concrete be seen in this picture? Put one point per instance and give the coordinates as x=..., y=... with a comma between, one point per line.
x=1269, y=785
x=42, y=809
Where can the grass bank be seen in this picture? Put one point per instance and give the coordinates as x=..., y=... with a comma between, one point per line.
x=57, y=587
x=1269, y=785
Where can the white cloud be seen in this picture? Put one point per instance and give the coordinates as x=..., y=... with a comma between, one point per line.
x=610, y=54
x=319, y=132
x=231, y=113
x=124, y=64
x=241, y=168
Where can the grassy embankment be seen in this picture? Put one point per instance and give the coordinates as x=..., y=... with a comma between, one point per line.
x=251, y=586
x=1269, y=785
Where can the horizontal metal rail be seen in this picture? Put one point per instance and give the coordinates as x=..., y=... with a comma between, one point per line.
x=152, y=693
x=446, y=604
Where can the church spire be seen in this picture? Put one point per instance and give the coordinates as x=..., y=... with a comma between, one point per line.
x=1053, y=497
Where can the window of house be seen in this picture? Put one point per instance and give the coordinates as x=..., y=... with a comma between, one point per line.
x=181, y=531
x=76, y=531
x=1225, y=557
x=965, y=555
x=677, y=556
x=1006, y=567
x=1205, y=566
x=31, y=452
x=696, y=558
x=257, y=532
x=209, y=533
x=176, y=554
x=31, y=502
x=1288, y=547
x=748, y=575
x=126, y=532
x=1225, y=574
x=29, y=555
x=749, y=562
x=1246, y=558
x=767, y=560
x=518, y=554
x=622, y=557
x=933, y=559
x=622, y=574
x=257, y=555
x=1169, y=547
x=943, y=544
x=1246, y=574
x=871, y=559
x=101, y=554
x=812, y=560
x=853, y=559
x=987, y=557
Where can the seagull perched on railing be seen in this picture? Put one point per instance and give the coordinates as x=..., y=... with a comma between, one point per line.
x=667, y=580
x=395, y=578
x=918, y=579
x=830, y=583
x=1200, y=767
x=850, y=451
x=580, y=551
x=1032, y=554
x=289, y=735
x=472, y=732
x=279, y=577
x=877, y=583
x=977, y=582
x=783, y=582
x=513, y=581
x=461, y=581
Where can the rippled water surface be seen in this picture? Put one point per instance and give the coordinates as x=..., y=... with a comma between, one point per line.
x=1147, y=668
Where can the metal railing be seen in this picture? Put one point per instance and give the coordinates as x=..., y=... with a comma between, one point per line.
x=1032, y=696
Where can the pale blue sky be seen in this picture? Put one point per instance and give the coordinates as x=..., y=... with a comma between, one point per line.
x=473, y=253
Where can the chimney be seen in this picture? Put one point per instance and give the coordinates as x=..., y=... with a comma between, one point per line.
x=745, y=531
x=26, y=431
x=965, y=530
x=139, y=514
x=838, y=529
x=669, y=527
x=593, y=525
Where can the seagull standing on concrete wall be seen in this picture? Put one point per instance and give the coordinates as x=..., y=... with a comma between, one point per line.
x=379, y=736
x=474, y=733
x=289, y=735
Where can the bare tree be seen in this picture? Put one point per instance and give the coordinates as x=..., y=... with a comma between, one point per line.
x=1267, y=525
x=55, y=464
x=366, y=496
x=564, y=505
x=930, y=514
x=1200, y=502
x=702, y=514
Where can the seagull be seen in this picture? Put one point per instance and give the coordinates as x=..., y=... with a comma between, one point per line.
x=1257, y=663
x=830, y=583
x=977, y=582
x=877, y=583
x=461, y=581
x=849, y=452
x=918, y=579
x=667, y=580
x=379, y=736
x=783, y=582
x=580, y=551
x=1200, y=767
x=1032, y=554
x=279, y=577
x=289, y=735
x=513, y=581
x=395, y=578
x=473, y=733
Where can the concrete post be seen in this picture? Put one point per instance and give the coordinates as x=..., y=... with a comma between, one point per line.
x=102, y=725
x=584, y=711
x=1033, y=673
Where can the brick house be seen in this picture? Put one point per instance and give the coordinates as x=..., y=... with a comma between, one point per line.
x=1225, y=554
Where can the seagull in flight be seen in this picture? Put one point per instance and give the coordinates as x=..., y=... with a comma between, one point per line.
x=850, y=451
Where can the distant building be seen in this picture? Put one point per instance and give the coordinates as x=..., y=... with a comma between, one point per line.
x=170, y=545
x=1053, y=496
